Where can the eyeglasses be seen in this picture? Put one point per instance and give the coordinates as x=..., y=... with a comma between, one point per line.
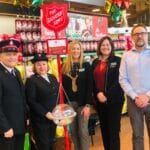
x=140, y=33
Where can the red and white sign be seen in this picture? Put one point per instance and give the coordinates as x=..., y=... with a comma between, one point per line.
x=57, y=46
x=54, y=16
x=81, y=27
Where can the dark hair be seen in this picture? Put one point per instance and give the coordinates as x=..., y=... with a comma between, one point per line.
x=138, y=25
x=100, y=43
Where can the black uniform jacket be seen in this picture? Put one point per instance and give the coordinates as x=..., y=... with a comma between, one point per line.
x=41, y=96
x=12, y=102
x=113, y=91
x=84, y=84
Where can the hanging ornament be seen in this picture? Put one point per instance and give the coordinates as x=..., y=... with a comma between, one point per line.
x=124, y=21
x=26, y=3
x=15, y=2
x=118, y=2
x=127, y=3
x=115, y=13
x=122, y=3
x=116, y=16
x=37, y=2
x=108, y=5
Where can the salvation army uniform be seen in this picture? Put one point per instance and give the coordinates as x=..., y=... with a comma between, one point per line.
x=12, y=101
x=42, y=96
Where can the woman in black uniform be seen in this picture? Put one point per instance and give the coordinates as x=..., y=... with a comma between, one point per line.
x=41, y=92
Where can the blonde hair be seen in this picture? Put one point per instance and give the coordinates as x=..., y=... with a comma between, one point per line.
x=68, y=63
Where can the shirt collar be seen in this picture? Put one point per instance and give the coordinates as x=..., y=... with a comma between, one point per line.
x=45, y=76
x=145, y=49
x=7, y=68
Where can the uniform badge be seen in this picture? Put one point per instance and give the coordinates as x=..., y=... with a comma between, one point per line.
x=113, y=65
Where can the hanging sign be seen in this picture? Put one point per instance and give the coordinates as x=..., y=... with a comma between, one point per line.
x=54, y=16
x=57, y=46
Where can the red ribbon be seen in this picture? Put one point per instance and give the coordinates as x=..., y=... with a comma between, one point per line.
x=8, y=37
x=67, y=139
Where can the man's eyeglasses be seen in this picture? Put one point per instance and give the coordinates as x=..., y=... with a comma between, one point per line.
x=140, y=33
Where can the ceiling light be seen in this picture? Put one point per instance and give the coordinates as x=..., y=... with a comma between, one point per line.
x=96, y=10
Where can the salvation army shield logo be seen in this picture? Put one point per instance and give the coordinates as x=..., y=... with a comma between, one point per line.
x=54, y=16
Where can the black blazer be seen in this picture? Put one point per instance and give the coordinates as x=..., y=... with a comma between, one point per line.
x=113, y=91
x=12, y=102
x=84, y=84
x=41, y=96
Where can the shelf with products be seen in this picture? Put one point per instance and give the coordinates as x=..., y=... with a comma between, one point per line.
x=119, y=41
x=88, y=45
x=29, y=29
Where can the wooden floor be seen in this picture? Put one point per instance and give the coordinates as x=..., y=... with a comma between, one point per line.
x=126, y=137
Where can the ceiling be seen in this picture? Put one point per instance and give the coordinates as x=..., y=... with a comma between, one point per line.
x=138, y=12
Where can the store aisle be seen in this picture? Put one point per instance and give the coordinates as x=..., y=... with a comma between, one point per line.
x=126, y=142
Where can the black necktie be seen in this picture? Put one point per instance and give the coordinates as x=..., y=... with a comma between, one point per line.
x=13, y=72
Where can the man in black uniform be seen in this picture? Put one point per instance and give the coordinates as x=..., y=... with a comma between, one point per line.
x=12, y=98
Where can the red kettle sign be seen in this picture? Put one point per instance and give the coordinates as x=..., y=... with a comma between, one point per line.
x=54, y=16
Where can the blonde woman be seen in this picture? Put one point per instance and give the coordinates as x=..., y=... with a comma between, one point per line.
x=77, y=84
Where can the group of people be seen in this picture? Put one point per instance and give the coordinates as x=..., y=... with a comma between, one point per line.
x=105, y=80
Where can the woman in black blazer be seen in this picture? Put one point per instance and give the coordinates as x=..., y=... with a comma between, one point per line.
x=108, y=93
x=42, y=92
x=77, y=84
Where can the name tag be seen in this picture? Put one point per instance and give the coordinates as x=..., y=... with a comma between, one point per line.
x=113, y=65
x=82, y=69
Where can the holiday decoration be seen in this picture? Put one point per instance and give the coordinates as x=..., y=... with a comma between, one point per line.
x=108, y=5
x=117, y=10
x=124, y=21
x=26, y=3
x=37, y=2
x=115, y=13
x=122, y=3
x=7, y=37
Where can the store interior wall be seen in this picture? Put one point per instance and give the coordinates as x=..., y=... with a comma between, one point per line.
x=7, y=24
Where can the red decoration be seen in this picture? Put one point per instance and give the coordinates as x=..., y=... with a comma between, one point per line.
x=54, y=16
x=127, y=3
x=8, y=37
x=20, y=58
x=122, y=3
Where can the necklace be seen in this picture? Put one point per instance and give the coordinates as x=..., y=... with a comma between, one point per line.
x=74, y=84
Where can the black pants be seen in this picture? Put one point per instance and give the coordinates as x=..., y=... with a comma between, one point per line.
x=44, y=135
x=14, y=143
x=110, y=116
